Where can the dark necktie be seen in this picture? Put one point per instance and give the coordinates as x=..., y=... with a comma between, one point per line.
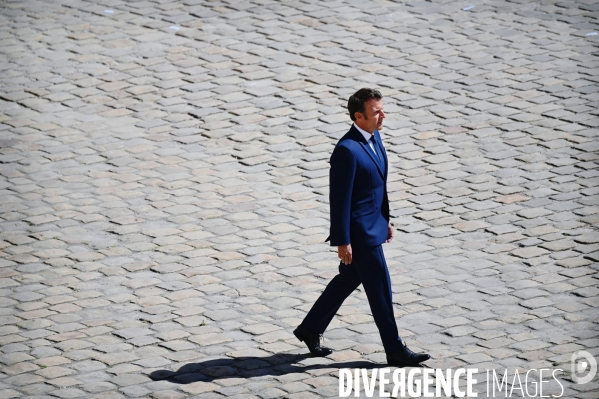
x=379, y=158
x=373, y=141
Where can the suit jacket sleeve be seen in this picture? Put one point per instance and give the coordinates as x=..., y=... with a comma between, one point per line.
x=343, y=170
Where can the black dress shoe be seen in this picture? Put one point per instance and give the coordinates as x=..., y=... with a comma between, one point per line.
x=312, y=341
x=406, y=358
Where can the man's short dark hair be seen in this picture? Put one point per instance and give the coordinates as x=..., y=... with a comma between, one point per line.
x=358, y=99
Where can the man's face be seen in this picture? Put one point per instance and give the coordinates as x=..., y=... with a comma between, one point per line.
x=373, y=116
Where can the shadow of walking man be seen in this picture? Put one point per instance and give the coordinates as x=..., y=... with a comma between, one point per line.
x=246, y=367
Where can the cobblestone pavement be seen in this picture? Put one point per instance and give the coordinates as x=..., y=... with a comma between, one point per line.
x=164, y=190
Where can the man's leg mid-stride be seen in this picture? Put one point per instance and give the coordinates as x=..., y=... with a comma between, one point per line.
x=368, y=268
x=325, y=308
x=374, y=274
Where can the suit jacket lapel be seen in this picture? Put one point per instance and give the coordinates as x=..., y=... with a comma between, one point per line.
x=365, y=146
x=381, y=150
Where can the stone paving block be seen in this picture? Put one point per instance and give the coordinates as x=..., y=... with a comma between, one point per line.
x=164, y=189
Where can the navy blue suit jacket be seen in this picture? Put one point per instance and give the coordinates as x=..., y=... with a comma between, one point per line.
x=358, y=192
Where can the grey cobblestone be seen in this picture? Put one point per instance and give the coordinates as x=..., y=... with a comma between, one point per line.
x=163, y=190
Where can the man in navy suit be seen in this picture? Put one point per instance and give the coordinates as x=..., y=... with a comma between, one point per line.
x=359, y=226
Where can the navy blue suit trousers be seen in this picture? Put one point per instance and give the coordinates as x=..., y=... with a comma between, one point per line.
x=368, y=268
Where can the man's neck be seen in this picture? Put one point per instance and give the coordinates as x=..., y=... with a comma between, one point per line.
x=362, y=130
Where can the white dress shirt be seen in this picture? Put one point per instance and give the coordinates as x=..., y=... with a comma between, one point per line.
x=367, y=136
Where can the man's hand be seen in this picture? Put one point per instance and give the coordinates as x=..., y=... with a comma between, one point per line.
x=390, y=232
x=344, y=253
